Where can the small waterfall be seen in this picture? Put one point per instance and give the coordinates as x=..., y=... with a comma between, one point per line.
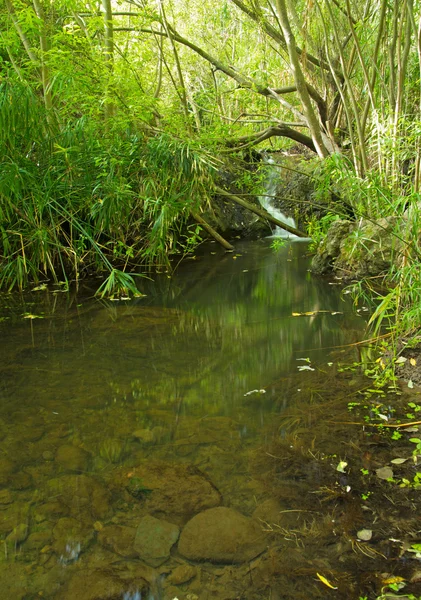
x=267, y=201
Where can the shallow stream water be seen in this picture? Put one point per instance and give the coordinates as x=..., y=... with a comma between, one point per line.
x=121, y=421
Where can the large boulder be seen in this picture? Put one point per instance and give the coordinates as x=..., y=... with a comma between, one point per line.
x=222, y=535
x=359, y=249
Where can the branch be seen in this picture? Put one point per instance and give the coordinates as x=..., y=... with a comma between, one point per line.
x=263, y=214
x=281, y=130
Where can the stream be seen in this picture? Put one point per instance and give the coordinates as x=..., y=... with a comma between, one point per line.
x=180, y=445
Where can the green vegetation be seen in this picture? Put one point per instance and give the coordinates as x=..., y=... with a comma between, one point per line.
x=117, y=121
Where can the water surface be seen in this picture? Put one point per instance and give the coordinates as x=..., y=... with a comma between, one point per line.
x=167, y=406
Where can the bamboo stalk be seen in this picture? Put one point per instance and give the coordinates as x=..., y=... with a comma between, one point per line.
x=212, y=231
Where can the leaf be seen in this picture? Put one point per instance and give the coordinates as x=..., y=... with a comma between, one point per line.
x=305, y=368
x=39, y=288
x=398, y=461
x=410, y=384
x=391, y=580
x=400, y=360
x=384, y=473
x=326, y=582
x=413, y=361
x=365, y=535
x=341, y=466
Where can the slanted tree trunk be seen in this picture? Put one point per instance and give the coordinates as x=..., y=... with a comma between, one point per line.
x=300, y=82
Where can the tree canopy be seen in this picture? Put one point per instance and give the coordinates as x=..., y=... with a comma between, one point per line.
x=115, y=115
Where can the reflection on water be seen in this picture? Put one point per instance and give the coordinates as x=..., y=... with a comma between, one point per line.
x=120, y=422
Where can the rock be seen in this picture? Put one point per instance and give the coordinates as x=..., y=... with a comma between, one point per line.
x=18, y=535
x=5, y=497
x=71, y=537
x=118, y=539
x=7, y=467
x=20, y=481
x=72, y=458
x=182, y=574
x=221, y=535
x=97, y=584
x=144, y=435
x=329, y=250
x=81, y=493
x=272, y=512
x=359, y=249
x=38, y=540
x=175, y=490
x=154, y=540
x=3, y=429
x=49, y=511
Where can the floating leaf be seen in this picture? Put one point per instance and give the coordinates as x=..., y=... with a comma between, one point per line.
x=398, y=461
x=30, y=316
x=341, y=466
x=410, y=384
x=39, y=288
x=392, y=580
x=411, y=429
x=365, y=535
x=305, y=368
x=384, y=473
x=413, y=361
x=326, y=582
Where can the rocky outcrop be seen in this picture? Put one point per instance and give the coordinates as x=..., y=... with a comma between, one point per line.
x=221, y=535
x=359, y=249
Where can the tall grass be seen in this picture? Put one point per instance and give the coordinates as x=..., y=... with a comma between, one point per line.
x=76, y=199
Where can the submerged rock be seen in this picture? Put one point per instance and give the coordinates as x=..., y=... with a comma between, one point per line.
x=72, y=458
x=182, y=574
x=154, y=540
x=118, y=539
x=82, y=495
x=222, y=535
x=7, y=467
x=106, y=584
x=71, y=537
x=174, y=490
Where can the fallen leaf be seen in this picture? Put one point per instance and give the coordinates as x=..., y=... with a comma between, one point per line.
x=413, y=361
x=326, y=582
x=341, y=466
x=384, y=473
x=410, y=384
x=305, y=368
x=390, y=580
x=365, y=535
x=400, y=360
x=398, y=461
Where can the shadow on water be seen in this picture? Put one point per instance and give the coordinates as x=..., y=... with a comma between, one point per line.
x=138, y=439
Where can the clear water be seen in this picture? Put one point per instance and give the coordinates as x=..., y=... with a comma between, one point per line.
x=102, y=402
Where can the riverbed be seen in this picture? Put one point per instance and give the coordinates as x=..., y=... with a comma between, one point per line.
x=186, y=444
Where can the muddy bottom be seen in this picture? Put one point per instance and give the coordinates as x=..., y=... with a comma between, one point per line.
x=211, y=440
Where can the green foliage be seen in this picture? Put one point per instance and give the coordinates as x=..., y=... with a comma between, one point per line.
x=77, y=199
